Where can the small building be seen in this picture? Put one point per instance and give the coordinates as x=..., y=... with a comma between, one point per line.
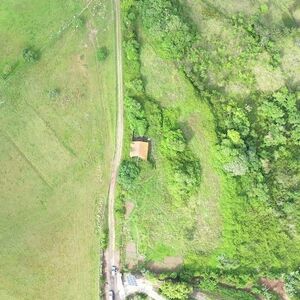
x=139, y=149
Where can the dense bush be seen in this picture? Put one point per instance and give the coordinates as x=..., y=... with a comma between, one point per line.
x=175, y=291
x=128, y=173
x=30, y=55
x=135, y=116
x=102, y=53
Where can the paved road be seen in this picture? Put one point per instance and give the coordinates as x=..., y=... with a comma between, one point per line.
x=111, y=257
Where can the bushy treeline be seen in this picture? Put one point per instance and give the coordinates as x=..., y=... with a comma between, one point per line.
x=258, y=135
x=147, y=118
x=261, y=139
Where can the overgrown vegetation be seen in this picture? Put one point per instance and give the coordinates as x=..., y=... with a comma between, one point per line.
x=175, y=291
x=146, y=118
x=258, y=132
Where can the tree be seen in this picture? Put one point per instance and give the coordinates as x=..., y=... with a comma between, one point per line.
x=186, y=174
x=173, y=142
x=175, y=291
x=30, y=55
x=135, y=116
x=132, y=49
x=128, y=173
x=234, y=136
x=102, y=54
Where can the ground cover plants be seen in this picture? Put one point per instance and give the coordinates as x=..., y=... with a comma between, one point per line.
x=55, y=100
x=235, y=66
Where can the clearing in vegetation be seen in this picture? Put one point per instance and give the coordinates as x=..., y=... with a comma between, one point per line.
x=57, y=112
x=217, y=90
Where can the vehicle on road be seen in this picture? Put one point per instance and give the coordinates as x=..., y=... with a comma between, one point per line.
x=111, y=295
x=114, y=271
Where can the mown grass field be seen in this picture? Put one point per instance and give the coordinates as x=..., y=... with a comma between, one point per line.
x=55, y=152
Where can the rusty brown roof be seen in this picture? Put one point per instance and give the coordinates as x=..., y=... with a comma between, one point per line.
x=139, y=149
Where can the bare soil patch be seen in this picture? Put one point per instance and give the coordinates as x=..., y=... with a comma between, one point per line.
x=197, y=295
x=170, y=263
x=276, y=286
x=131, y=255
x=129, y=206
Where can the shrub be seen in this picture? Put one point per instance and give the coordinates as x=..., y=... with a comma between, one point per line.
x=128, y=173
x=53, y=93
x=175, y=291
x=208, y=285
x=135, y=116
x=102, y=54
x=30, y=55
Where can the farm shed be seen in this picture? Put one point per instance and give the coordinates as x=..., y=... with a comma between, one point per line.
x=139, y=149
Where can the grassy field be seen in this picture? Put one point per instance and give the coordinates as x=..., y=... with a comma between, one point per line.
x=201, y=214
x=55, y=151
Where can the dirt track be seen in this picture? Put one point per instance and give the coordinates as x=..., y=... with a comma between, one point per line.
x=111, y=257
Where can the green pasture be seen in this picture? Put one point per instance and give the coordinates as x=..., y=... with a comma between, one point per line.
x=55, y=150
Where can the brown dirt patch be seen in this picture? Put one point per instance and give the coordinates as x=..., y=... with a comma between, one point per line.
x=170, y=263
x=129, y=206
x=81, y=65
x=92, y=32
x=276, y=286
x=199, y=296
x=131, y=255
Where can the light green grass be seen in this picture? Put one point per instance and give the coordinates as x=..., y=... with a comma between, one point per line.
x=55, y=153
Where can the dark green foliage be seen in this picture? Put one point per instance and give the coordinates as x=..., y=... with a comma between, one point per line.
x=30, y=55
x=131, y=48
x=154, y=117
x=135, y=116
x=172, y=143
x=53, y=93
x=128, y=173
x=175, y=291
x=168, y=30
x=102, y=53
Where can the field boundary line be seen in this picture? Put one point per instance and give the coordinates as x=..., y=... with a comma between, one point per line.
x=47, y=124
x=23, y=155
